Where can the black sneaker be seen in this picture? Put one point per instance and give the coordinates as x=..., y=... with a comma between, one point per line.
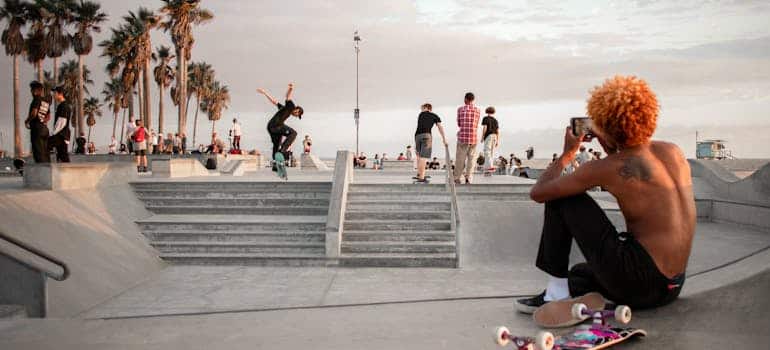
x=529, y=305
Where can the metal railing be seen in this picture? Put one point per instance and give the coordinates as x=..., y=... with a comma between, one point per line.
x=33, y=258
x=450, y=182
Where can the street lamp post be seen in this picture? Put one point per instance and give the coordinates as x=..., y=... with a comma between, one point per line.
x=357, y=111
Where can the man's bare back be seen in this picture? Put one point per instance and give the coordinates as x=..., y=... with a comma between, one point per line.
x=653, y=186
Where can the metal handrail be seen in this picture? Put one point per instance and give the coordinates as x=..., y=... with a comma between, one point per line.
x=56, y=275
x=450, y=181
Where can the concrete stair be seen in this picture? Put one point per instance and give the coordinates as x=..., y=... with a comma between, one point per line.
x=236, y=223
x=398, y=225
x=10, y=312
x=495, y=192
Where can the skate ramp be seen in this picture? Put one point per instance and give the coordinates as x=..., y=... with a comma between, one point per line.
x=92, y=231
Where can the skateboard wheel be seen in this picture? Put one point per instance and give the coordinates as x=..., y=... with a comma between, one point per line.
x=623, y=314
x=501, y=336
x=544, y=341
x=578, y=311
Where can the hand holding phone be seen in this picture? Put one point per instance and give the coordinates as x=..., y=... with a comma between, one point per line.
x=582, y=125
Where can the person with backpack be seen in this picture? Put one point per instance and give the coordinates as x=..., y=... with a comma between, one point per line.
x=139, y=138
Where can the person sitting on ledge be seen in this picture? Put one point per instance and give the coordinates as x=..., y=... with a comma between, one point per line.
x=641, y=268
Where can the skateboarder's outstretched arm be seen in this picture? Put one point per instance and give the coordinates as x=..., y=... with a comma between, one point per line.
x=289, y=91
x=266, y=94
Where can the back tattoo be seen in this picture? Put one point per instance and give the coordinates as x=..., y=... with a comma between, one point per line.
x=634, y=168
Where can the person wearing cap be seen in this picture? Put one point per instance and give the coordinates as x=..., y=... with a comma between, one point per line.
x=61, y=132
x=37, y=123
x=276, y=126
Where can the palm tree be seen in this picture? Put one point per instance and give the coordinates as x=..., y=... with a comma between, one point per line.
x=35, y=43
x=114, y=95
x=139, y=24
x=200, y=79
x=70, y=76
x=91, y=108
x=87, y=17
x=164, y=75
x=216, y=100
x=15, y=13
x=119, y=51
x=181, y=15
x=58, y=14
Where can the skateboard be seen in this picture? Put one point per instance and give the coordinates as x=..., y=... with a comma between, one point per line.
x=558, y=313
x=599, y=335
x=280, y=165
x=416, y=180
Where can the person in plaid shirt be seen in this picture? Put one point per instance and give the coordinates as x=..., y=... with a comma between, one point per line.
x=468, y=122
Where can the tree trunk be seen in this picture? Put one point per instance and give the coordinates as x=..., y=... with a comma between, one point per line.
x=80, y=96
x=147, y=96
x=139, y=94
x=123, y=126
x=181, y=69
x=213, y=124
x=114, y=123
x=131, y=115
x=18, y=149
x=89, y=136
x=40, y=76
x=195, y=122
x=56, y=83
x=160, y=109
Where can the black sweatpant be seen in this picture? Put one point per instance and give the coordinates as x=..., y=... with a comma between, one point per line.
x=39, y=139
x=281, y=132
x=617, y=265
x=58, y=143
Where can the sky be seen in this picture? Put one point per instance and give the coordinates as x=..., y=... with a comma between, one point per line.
x=535, y=61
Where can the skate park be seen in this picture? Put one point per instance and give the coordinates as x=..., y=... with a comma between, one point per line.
x=144, y=272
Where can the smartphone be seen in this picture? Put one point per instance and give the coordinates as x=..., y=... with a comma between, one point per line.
x=581, y=125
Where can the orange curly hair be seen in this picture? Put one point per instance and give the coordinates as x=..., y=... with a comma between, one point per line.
x=625, y=108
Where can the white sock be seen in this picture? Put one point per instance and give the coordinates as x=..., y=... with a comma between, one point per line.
x=557, y=289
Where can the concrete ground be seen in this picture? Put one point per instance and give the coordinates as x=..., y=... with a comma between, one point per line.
x=724, y=302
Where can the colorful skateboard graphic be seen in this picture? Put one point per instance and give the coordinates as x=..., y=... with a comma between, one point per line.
x=599, y=335
x=280, y=165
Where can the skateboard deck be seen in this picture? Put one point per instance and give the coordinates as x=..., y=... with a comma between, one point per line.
x=280, y=165
x=559, y=313
x=595, y=338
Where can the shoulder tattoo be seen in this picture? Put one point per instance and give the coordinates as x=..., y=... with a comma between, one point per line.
x=634, y=168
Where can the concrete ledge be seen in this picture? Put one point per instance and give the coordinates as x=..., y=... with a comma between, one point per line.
x=396, y=165
x=335, y=219
x=173, y=168
x=70, y=176
x=311, y=162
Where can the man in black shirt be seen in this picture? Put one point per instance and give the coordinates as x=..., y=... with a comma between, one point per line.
x=423, y=138
x=61, y=132
x=276, y=126
x=37, y=123
x=491, y=138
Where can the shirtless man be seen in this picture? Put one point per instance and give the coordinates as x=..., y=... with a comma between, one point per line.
x=651, y=180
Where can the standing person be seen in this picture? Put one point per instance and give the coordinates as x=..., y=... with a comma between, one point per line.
x=468, y=122
x=61, y=132
x=491, y=132
x=113, y=146
x=130, y=127
x=140, y=146
x=235, y=133
x=583, y=157
x=530, y=152
x=177, y=143
x=306, y=144
x=168, y=144
x=183, y=143
x=281, y=135
x=154, y=142
x=423, y=138
x=409, y=152
x=80, y=144
x=37, y=123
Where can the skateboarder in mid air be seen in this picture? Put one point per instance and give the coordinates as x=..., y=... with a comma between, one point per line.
x=281, y=135
x=651, y=181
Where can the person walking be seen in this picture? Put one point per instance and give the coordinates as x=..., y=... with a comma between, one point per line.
x=61, y=133
x=37, y=123
x=491, y=132
x=140, y=146
x=235, y=134
x=423, y=138
x=281, y=135
x=80, y=144
x=468, y=117
x=130, y=127
x=306, y=144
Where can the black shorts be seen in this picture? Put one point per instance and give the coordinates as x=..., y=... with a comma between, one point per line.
x=140, y=152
